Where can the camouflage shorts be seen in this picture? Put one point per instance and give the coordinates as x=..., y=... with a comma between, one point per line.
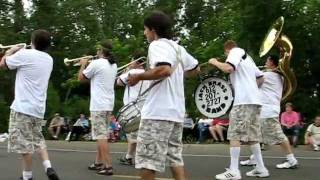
x=159, y=143
x=271, y=131
x=244, y=123
x=132, y=137
x=25, y=133
x=100, y=124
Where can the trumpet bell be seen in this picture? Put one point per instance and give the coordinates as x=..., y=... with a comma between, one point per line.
x=272, y=36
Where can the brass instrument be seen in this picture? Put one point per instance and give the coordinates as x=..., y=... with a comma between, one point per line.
x=274, y=36
x=76, y=61
x=23, y=45
x=123, y=68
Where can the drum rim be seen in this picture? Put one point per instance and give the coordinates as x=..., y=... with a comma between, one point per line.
x=209, y=77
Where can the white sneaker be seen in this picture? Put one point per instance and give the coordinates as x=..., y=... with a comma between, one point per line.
x=288, y=165
x=258, y=173
x=3, y=139
x=229, y=175
x=316, y=148
x=249, y=162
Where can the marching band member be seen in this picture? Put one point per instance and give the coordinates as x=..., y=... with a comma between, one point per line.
x=244, y=116
x=102, y=74
x=159, y=138
x=271, y=93
x=130, y=95
x=28, y=107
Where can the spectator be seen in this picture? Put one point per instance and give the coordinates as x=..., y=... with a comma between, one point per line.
x=81, y=126
x=203, y=128
x=218, y=126
x=114, y=129
x=55, y=126
x=312, y=135
x=290, y=121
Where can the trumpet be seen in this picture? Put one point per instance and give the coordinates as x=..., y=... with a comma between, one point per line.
x=24, y=45
x=76, y=61
x=124, y=67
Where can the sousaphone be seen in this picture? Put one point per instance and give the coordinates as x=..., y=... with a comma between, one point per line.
x=276, y=37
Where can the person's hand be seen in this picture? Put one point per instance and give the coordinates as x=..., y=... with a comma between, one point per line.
x=133, y=79
x=84, y=61
x=213, y=61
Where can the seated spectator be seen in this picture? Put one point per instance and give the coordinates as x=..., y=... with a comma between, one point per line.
x=80, y=127
x=312, y=135
x=56, y=124
x=203, y=128
x=218, y=126
x=290, y=121
x=114, y=129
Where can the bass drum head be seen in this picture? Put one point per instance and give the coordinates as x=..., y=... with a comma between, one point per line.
x=213, y=97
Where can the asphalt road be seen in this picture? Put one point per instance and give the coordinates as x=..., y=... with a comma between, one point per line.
x=202, y=162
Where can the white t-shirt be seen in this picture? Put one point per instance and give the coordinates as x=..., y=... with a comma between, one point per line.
x=244, y=77
x=102, y=77
x=271, y=93
x=315, y=132
x=33, y=72
x=166, y=100
x=131, y=92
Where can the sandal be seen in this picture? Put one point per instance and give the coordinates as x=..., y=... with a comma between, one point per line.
x=108, y=171
x=96, y=166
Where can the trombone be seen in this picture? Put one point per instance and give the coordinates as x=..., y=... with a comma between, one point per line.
x=76, y=61
x=123, y=68
x=23, y=45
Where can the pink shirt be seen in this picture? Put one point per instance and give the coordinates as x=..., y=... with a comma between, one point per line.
x=290, y=118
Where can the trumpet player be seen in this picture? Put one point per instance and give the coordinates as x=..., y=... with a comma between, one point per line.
x=130, y=95
x=102, y=74
x=28, y=107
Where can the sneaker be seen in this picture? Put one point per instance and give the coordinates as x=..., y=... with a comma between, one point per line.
x=229, y=175
x=96, y=166
x=249, y=162
x=21, y=178
x=107, y=171
x=258, y=173
x=288, y=165
x=52, y=175
x=125, y=161
x=316, y=148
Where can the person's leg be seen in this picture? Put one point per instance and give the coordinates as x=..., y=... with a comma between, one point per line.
x=175, y=148
x=100, y=121
x=212, y=130
x=235, y=132
x=51, y=131
x=152, y=147
x=58, y=129
x=27, y=165
x=147, y=174
x=295, y=136
x=219, y=130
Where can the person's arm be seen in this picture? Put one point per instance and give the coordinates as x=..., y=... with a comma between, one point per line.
x=81, y=76
x=192, y=73
x=11, y=51
x=260, y=81
x=225, y=67
x=282, y=121
x=159, y=72
x=307, y=135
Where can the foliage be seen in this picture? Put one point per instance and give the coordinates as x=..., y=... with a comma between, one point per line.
x=201, y=26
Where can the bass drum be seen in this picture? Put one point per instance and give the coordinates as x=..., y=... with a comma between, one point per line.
x=213, y=97
x=129, y=116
